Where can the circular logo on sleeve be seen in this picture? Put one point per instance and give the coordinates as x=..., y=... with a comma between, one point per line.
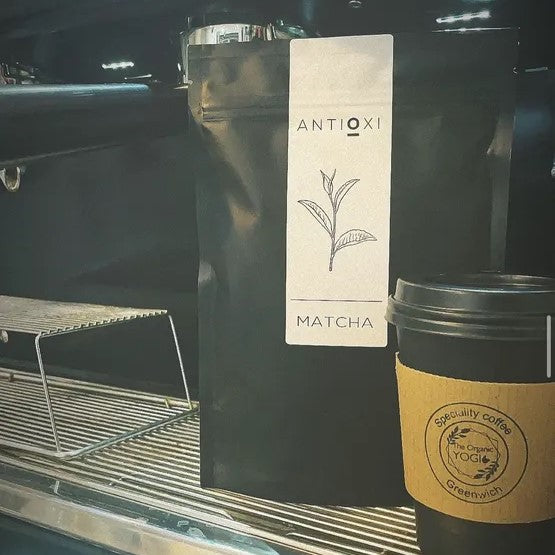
x=477, y=453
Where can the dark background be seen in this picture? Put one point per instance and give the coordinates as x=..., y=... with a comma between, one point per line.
x=70, y=39
x=118, y=225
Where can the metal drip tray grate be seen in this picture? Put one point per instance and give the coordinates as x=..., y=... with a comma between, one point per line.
x=37, y=316
x=86, y=415
x=159, y=471
x=44, y=319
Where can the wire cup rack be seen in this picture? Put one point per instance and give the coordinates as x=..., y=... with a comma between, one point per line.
x=45, y=319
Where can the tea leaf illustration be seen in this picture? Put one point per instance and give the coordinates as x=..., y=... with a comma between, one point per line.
x=328, y=182
x=353, y=237
x=319, y=214
x=492, y=469
x=342, y=191
x=488, y=472
x=457, y=434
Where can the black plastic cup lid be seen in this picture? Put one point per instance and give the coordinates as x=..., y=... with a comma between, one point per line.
x=475, y=306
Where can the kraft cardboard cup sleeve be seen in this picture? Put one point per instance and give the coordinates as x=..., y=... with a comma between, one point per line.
x=476, y=405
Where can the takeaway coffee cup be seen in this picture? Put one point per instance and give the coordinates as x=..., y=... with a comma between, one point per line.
x=477, y=407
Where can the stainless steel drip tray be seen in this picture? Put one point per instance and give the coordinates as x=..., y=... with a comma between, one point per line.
x=142, y=495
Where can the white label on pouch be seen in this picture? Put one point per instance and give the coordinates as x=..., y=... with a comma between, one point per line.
x=338, y=190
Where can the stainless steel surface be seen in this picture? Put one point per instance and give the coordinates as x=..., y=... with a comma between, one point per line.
x=222, y=33
x=158, y=474
x=230, y=32
x=45, y=319
x=41, y=121
x=104, y=520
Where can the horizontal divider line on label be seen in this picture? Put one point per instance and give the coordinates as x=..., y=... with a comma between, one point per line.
x=336, y=301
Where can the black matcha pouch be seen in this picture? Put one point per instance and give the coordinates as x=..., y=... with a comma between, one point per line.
x=327, y=168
